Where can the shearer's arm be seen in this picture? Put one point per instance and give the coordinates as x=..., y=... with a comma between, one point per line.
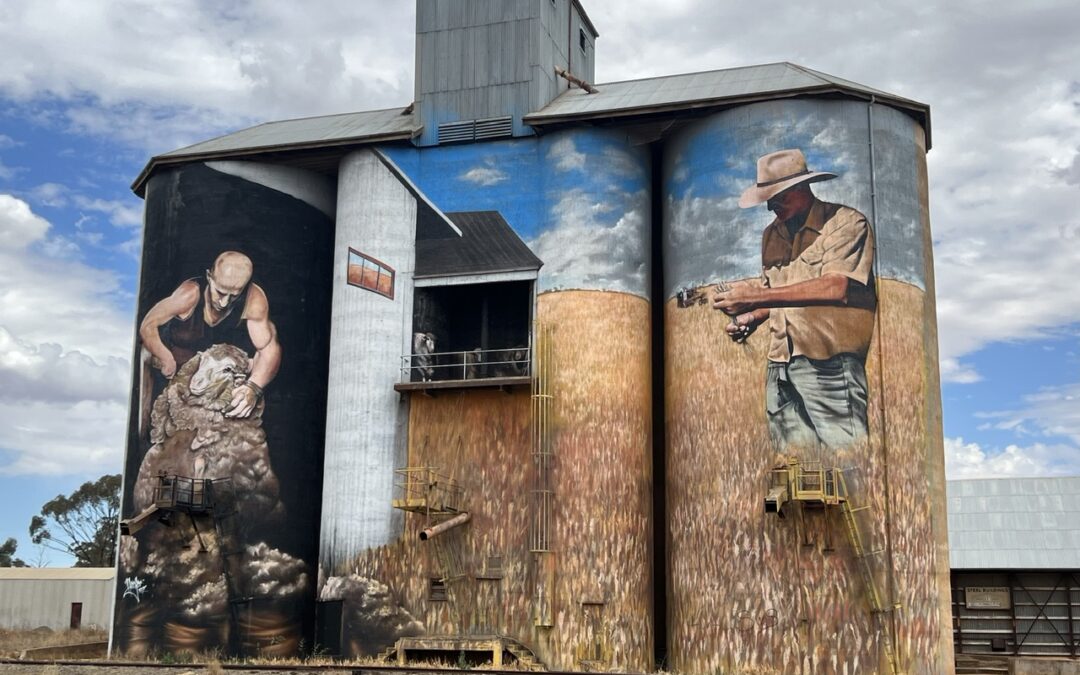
x=178, y=305
x=267, y=359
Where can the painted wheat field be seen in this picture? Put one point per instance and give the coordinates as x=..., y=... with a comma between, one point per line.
x=753, y=593
x=602, y=478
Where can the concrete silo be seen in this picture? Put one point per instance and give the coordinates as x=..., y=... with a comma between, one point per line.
x=816, y=388
x=234, y=311
x=548, y=450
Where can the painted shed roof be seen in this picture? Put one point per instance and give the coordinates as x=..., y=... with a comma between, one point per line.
x=58, y=573
x=1014, y=523
x=487, y=245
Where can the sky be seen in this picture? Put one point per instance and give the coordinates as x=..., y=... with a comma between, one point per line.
x=90, y=90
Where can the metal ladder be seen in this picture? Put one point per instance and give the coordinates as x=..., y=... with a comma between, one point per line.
x=855, y=538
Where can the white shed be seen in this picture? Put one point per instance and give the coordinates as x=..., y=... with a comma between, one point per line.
x=59, y=598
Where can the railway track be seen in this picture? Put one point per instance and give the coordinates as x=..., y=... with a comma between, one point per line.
x=132, y=667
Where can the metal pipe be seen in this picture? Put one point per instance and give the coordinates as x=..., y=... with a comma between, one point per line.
x=435, y=530
x=574, y=79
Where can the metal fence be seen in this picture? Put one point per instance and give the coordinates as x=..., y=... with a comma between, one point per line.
x=474, y=364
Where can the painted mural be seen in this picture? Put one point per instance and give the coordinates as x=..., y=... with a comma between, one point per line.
x=798, y=330
x=234, y=299
x=576, y=207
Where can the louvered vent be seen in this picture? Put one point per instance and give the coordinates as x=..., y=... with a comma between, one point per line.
x=496, y=127
x=456, y=132
x=475, y=130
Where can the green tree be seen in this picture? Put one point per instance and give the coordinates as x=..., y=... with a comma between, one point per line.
x=82, y=524
x=7, y=554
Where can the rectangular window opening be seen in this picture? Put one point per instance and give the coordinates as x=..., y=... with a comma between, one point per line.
x=478, y=331
x=582, y=40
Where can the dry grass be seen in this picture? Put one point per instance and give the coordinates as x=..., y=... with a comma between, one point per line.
x=602, y=480
x=14, y=641
x=732, y=567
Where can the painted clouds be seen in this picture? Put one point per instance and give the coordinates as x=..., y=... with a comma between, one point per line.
x=710, y=238
x=64, y=343
x=597, y=230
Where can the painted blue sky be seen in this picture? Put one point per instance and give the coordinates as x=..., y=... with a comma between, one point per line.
x=710, y=164
x=579, y=199
x=90, y=90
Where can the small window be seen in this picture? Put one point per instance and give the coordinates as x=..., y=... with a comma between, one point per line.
x=367, y=272
x=582, y=40
x=437, y=590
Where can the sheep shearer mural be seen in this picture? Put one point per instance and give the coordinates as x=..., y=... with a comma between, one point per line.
x=817, y=294
x=223, y=308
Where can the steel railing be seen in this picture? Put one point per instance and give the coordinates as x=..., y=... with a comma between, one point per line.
x=474, y=364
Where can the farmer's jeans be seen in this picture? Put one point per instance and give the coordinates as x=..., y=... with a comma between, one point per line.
x=816, y=403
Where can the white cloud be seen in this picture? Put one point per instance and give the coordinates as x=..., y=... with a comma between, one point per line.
x=1052, y=412
x=484, y=176
x=564, y=154
x=65, y=342
x=955, y=372
x=582, y=250
x=121, y=213
x=9, y=172
x=21, y=226
x=970, y=460
x=50, y=194
x=167, y=73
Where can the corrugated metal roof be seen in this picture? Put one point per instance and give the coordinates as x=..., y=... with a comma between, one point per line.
x=1014, y=523
x=650, y=96
x=715, y=87
x=58, y=573
x=487, y=245
x=297, y=134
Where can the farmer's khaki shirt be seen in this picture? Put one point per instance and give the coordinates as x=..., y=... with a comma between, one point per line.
x=834, y=239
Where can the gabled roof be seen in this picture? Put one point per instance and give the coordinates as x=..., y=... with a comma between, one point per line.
x=487, y=245
x=292, y=135
x=1014, y=523
x=671, y=93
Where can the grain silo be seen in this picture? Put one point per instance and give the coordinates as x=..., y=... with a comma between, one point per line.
x=233, y=309
x=804, y=466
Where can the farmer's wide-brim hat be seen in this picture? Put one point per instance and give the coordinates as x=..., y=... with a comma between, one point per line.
x=776, y=172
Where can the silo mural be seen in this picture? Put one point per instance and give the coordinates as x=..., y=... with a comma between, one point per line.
x=800, y=370
x=225, y=435
x=549, y=542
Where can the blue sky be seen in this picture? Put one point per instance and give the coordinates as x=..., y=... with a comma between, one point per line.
x=90, y=90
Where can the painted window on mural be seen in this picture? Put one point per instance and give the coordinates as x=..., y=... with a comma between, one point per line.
x=367, y=272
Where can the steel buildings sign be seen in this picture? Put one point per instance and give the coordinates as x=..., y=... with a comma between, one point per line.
x=987, y=597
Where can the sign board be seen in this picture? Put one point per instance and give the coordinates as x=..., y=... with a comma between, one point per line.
x=987, y=597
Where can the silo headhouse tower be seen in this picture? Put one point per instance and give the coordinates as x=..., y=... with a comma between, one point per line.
x=541, y=370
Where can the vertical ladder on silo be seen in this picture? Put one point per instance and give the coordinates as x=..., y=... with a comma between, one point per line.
x=542, y=492
x=225, y=516
x=863, y=558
